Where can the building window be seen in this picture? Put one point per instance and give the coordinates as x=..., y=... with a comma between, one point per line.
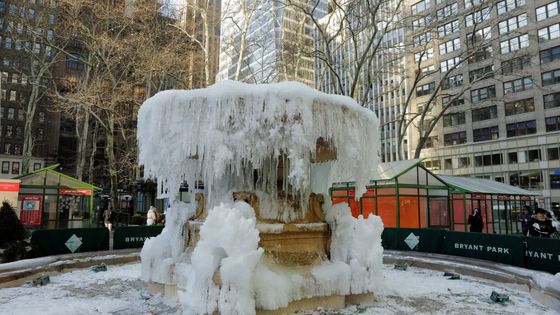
x=552, y=100
x=552, y=123
x=547, y=10
x=448, y=28
x=424, y=55
x=512, y=23
x=448, y=164
x=19, y=132
x=549, y=32
x=7, y=148
x=5, y=167
x=36, y=166
x=488, y=159
x=449, y=46
x=420, y=6
x=11, y=112
x=421, y=22
x=13, y=96
x=481, y=73
x=428, y=69
x=513, y=66
x=480, y=54
x=533, y=155
x=553, y=154
x=554, y=180
x=40, y=133
x=486, y=134
x=15, y=168
x=452, y=81
x=551, y=77
x=425, y=89
x=514, y=44
x=41, y=117
x=550, y=55
x=464, y=162
x=479, y=35
x=447, y=11
x=422, y=39
x=482, y=94
x=431, y=142
x=20, y=114
x=9, y=131
x=73, y=62
x=457, y=101
x=449, y=64
x=528, y=180
x=455, y=138
x=454, y=119
x=508, y=5
x=519, y=107
x=432, y=164
x=17, y=149
x=521, y=128
x=518, y=85
x=477, y=17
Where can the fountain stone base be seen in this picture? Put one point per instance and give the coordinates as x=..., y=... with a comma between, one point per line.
x=286, y=246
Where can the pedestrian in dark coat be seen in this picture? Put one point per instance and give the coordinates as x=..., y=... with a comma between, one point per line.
x=475, y=221
x=540, y=225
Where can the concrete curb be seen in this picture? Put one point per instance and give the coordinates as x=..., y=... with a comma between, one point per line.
x=19, y=272
x=516, y=277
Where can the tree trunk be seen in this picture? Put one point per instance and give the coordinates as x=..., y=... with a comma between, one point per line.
x=93, y=152
x=110, y=150
x=27, y=151
x=82, y=146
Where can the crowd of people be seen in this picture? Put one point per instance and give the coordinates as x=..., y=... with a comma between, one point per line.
x=538, y=223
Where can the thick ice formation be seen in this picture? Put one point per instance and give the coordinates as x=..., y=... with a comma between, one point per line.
x=235, y=137
x=223, y=133
x=229, y=244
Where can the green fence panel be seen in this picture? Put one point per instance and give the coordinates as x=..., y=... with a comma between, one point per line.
x=134, y=236
x=542, y=254
x=422, y=240
x=66, y=241
x=507, y=249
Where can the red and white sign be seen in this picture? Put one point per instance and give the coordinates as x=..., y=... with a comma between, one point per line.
x=31, y=210
x=6, y=186
x=74, y=192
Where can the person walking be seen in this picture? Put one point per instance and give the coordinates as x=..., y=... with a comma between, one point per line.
x=151, y=218
x=107, y=214
x=475, y=221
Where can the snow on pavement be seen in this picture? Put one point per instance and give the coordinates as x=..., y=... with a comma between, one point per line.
x=120, y=291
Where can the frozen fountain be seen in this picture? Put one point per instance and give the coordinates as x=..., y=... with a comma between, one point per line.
x=262, y=237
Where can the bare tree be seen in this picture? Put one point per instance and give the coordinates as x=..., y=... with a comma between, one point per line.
x=125, y=59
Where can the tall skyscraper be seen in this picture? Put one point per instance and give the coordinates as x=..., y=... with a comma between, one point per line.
x=268, y=40
x=25, y=124
x=498, y=63
x=362, y=55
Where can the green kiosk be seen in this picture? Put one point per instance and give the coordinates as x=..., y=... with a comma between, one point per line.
x=51, y=200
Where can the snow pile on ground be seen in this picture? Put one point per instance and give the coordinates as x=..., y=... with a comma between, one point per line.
x=223, y=133
x=120, y=291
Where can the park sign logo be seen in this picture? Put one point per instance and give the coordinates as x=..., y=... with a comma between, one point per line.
x=412, y=241
x=73, y=243
x=482, y=248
